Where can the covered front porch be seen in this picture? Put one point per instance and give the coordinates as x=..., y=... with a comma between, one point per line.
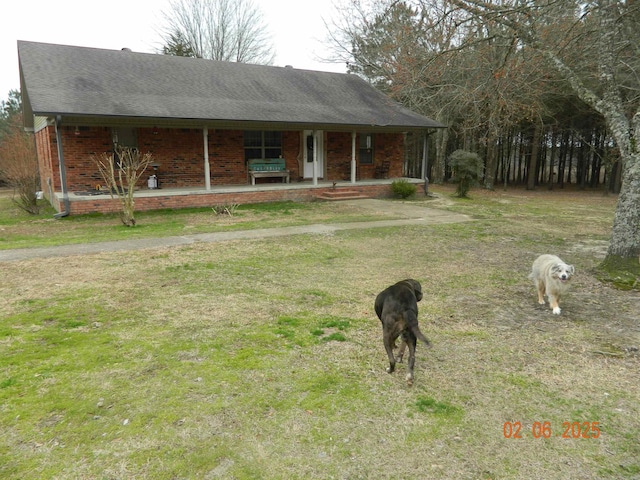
x=174, y=198
x=316, y=127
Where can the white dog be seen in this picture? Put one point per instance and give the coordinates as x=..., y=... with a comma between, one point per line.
x=551, y=277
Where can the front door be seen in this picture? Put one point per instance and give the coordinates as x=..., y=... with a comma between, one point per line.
x=308, y=153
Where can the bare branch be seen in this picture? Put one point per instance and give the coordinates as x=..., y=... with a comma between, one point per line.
x=121, y=171
x=227, y=30
x=19, y=167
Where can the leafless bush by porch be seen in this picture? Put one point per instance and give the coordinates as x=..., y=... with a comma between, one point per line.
x=225, y=209
x=121, y=171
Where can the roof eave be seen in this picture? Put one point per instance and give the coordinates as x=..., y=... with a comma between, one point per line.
x=108, y=121
x=27, y=111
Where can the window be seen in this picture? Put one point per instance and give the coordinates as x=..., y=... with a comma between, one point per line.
x=123, y=137
x=267, y=144
x=365, y=145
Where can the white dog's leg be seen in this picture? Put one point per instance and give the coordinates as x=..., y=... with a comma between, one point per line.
x=553, y=303
x=541, y=291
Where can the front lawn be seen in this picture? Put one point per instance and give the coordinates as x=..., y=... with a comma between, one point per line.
x=263, y=359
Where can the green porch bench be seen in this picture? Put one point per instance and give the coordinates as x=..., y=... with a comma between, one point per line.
x=267, y=167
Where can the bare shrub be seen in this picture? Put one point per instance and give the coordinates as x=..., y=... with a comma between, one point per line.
x=19, y=168
x=225, y=209
x=120, y=171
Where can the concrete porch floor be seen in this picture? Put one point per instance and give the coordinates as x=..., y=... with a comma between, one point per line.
x=174, y=198
x=247, y=188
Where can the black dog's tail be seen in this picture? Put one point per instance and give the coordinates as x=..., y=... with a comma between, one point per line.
x=412, y=323
x=420, y=336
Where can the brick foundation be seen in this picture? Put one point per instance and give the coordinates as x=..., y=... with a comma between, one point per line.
x=105, y=204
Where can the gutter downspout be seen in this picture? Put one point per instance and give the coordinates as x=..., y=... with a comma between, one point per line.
x=63, y=171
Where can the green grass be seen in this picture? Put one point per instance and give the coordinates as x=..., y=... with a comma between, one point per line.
x=429, y=405
x=263, y=359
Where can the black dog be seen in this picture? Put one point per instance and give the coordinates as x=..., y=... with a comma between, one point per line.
x=397, y=309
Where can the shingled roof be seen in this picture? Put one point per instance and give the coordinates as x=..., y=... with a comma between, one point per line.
x=90, y=82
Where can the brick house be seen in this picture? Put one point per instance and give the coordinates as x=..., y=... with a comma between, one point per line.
x=206, y=123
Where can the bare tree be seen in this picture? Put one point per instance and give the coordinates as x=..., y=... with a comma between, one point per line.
x=121, y=171
x=486, y=67
x=466, y=75
x=10, y=112
x=19, y=166
x=228, y=30
x=594, y=46
x=396, y=46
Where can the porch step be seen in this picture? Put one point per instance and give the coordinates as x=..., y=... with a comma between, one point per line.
x=336, y=195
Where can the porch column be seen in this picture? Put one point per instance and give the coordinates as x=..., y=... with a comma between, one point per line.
x=315, y=157
x=353, y=157
x=425, y=162
x=207, y=171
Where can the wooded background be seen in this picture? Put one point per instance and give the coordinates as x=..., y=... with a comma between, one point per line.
x=467, y=65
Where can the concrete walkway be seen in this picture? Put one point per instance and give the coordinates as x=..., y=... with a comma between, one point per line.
x=410, y=214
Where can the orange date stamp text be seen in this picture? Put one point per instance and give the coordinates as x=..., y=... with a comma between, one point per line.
x=575, y=430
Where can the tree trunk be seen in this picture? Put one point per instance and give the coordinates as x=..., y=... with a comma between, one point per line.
x=438, y=170
x=625, y=235
x=564, y=139
x=490, y=168
x=552, y=157
x=532, y=171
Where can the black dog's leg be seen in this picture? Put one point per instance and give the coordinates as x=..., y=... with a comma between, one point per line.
x=403, y=346
x=389, y=342
x=410, y=340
